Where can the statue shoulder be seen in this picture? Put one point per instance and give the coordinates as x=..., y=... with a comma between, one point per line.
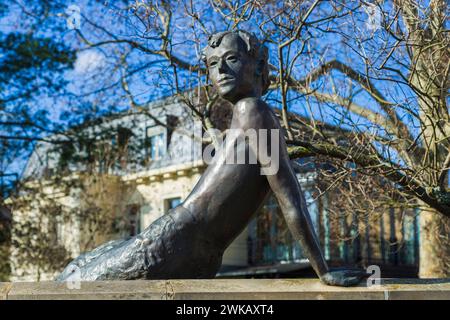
x=254, y=113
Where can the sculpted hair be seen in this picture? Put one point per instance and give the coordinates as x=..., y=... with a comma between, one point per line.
x=255, y=49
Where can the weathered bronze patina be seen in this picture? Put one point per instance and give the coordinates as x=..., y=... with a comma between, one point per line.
x=189, y=241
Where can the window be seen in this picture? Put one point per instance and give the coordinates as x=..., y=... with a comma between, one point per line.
x=270, y=240
x=121, y=143
x=155, y=146
x=313, y=209
x=51, y=162
x=171, y=203
x=55, y=230
x=123, y=137
x=102, y=154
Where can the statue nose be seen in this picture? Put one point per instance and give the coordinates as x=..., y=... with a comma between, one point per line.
x=221, y=65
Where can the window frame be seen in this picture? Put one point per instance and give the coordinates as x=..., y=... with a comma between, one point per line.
x=153, y=131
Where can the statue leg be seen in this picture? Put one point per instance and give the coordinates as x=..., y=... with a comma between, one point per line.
x=171, y=247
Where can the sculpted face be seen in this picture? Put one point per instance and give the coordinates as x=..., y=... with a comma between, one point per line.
x=232, y=70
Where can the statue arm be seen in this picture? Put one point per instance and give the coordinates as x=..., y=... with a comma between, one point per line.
x=255, y=114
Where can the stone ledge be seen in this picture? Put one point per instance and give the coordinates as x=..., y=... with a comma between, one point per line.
x=226, y=289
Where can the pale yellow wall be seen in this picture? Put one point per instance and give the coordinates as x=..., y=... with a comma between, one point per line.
x=103, y=193
x=70, y=236
x=113, y=194
x=155, y=193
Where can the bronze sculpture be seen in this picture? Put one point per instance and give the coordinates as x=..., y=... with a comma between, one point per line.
x=189, y=240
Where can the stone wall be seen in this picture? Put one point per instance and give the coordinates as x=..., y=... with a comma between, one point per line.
x=227, y=289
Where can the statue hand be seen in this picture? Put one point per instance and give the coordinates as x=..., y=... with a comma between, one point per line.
x=343, y=277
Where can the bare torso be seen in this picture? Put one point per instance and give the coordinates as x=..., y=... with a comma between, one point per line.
x=225, y=198
x=228, y=195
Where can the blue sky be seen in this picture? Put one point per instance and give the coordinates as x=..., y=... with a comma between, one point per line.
x=98, y=67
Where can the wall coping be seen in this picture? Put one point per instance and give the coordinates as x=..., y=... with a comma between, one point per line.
x=226, y=289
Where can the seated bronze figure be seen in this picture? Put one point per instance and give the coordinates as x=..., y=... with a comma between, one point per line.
x=189, y=241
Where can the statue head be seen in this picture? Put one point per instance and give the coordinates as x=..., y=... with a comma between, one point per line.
x=237, y=65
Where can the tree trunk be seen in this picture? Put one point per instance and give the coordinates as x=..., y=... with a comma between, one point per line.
x=428, y=71
x=434, y=245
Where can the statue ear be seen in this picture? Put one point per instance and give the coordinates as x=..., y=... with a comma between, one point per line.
x=262, y=61
x=259, y=67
